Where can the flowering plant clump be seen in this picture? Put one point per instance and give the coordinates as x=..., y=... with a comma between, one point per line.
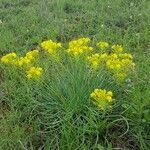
x=111, y=58
x=101, y=98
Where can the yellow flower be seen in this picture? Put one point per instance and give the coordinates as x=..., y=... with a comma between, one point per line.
x=32, y=54
x=112, y=56
x=117, y=48
x=9, y=58
x=126, y=63
x=79, y=46
x=102, y=45
x=120, y=65
x=22, y=61
x=50, y=46
x=34, y=72
x=28, y=59
x=101, y=98
x=109, y=98
x=79, y=42
x=126, y=55
x=103, y=56
x=96, y=60
x=113, y=64
x=109, y=93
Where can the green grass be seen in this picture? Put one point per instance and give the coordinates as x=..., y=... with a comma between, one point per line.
x=56, y=113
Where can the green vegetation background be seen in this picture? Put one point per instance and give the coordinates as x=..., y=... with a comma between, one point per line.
x=25, y=23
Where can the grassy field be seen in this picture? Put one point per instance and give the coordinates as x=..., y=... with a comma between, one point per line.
x=56, y=112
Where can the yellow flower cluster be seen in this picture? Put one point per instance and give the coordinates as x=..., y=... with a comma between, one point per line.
x=120, y=64
x=34, y=72
x=27, y=60
x=117, y=62
x=9, y=58
x=50, y=46
x=110, y=57
x=13, y=59
x=101, y=98
x=96, y=60
x=102, y=45
x=79, y=46
x=30, y=56
x=117, y=48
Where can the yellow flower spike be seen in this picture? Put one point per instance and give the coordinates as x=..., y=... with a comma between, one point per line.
x=101, y=98
x=34, y=72
x=117, y=48
x=102, y=45
x=9, y=58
